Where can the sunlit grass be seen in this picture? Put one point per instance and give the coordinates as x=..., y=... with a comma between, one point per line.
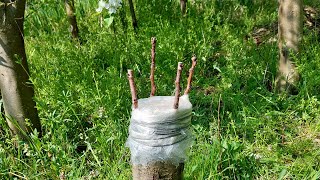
x=83, y=96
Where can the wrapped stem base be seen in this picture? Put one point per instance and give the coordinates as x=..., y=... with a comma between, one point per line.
x=159, y=137
x=158, y=171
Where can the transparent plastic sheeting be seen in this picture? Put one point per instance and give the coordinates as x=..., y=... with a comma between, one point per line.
x=158, y=132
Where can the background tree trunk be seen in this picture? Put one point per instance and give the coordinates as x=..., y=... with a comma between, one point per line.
x=69, y=5
x=133, y=15
x=183, y=5
x=16, y=88
x=290, y=32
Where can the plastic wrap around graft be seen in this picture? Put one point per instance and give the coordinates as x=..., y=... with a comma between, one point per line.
x=158, y=132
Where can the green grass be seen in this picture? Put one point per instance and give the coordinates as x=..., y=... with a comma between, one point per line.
x=83, y=96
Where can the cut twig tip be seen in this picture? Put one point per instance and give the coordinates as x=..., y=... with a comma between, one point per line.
x=191, y=71
x=180, y=65
x=194, y=58
x=177, y=82
x=153, y=40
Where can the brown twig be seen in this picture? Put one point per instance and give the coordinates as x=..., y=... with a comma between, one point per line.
x=177, y=91
x=133, y=89
x=153, y=65
x=191, y=70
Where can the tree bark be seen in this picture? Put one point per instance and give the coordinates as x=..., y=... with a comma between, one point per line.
x=158, y=171
x=69, y=5
x=16, y=88
x=290, y=32
x=133, y=15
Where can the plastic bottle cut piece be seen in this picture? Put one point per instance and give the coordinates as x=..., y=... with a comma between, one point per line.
x=158, y=132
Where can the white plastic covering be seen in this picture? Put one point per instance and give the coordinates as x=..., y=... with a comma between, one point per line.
x=158, y=132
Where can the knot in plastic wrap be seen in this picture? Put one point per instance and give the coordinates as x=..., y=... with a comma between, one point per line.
x=158, y=132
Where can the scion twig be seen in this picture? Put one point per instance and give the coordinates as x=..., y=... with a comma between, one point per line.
x=133, y=89
x=191, y=70
x=153, y=65
x=177, y=82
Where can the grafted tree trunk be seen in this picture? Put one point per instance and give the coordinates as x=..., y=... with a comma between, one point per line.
x=290, y=32
x=16, y=88
x=133, y=15
x=183, y=5
x=69, y=5
x=158, y=171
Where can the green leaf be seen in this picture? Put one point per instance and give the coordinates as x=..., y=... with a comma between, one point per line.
x=108, y=21
x=194, y=168
x=282, y=174
x=216, y=68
